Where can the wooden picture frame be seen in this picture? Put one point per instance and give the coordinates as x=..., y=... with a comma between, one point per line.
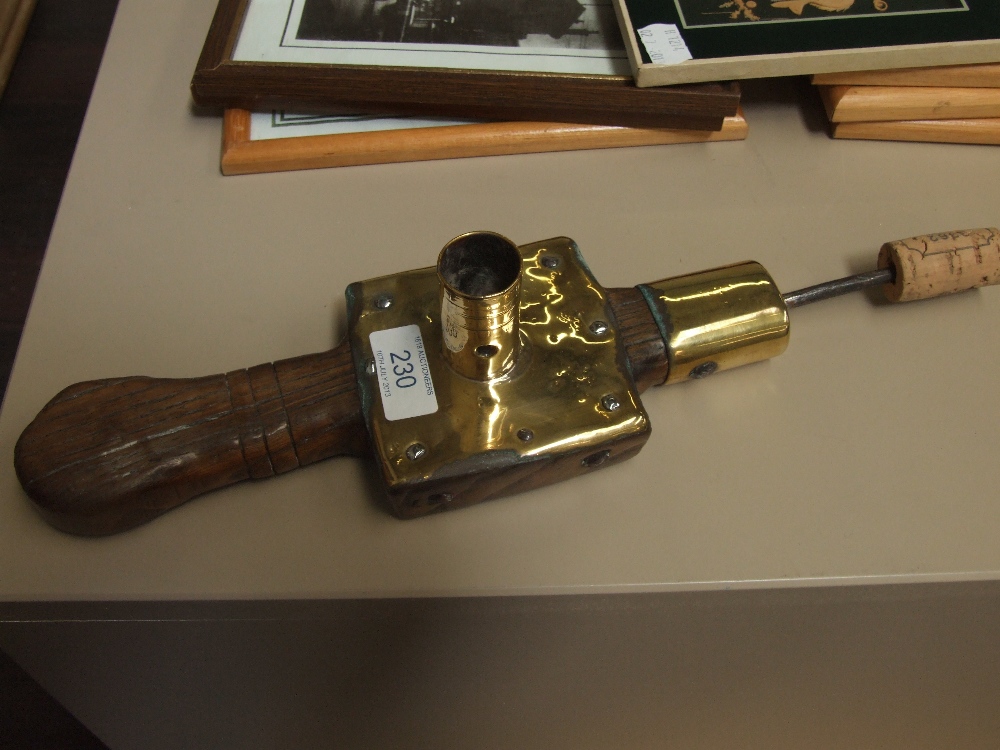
x=221, y=80
x=241, y=155
x=986, y=75
x=737, y=39
x=891, y=103
x=979, y=132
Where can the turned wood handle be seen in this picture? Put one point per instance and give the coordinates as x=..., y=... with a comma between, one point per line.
x=107, y=455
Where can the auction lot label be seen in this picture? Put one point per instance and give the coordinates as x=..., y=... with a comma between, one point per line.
x=404, y=376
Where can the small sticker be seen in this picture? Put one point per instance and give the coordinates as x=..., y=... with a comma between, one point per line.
x=452, y=317
x=664, y=44
x=404, y=376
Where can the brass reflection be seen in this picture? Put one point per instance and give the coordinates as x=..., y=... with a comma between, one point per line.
x=480, y=275
x=547, y=405
x=719, y=319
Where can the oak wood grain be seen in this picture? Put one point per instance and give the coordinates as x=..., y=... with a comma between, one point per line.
x=107, y=455
x=463, y=490
x=645, y=348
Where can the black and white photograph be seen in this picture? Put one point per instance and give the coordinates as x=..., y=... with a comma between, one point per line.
x=546, y=36
x=567, y=24
x=267, y=126
x=695, y=13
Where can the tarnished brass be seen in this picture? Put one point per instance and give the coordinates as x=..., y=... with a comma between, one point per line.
x=566, y=407
x=718, y=319
x=480, y=274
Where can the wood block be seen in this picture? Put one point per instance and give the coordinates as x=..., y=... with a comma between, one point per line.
x=882, y=103
x=976, y=131
x=240, y=155
x=949, y=76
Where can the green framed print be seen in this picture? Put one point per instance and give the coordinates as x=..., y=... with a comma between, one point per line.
x=683, y=41
x=705, y=13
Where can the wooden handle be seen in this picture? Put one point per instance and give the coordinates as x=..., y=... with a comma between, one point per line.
x=107, y=455
x=936, y=264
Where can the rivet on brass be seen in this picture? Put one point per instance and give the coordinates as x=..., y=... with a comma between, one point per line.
x=599, y=327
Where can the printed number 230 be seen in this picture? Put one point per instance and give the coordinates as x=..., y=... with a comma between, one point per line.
x=401, y=368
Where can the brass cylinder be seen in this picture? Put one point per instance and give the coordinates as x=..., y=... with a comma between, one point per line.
x=480, y=274
x=718, y=319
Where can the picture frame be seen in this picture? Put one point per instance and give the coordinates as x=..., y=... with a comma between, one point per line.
x=973, y=132
x=962, y=76
x=295, y=78
x=309, y=145
x=699, y=40
x=889, y=103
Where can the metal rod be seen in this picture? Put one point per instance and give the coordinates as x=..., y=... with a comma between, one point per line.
x=839, y=286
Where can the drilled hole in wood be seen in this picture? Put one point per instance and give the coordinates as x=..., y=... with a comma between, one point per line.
x=596, y=459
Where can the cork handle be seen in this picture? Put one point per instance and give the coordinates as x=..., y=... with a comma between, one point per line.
x=936, y=264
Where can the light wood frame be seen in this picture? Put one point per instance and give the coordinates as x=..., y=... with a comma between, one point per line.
x=240, y=155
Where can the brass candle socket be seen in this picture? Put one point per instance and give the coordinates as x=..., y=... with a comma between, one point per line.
x=480, y=275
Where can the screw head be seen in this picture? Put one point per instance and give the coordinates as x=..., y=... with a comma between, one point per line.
x=550, y=261
x=415, y=451
x=610, y=402
x=525, y=435
x=703, y=370
x=599, y=327
x=370, y=366
x=383, y=301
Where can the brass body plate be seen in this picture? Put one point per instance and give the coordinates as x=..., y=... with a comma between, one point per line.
x=546, y=420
